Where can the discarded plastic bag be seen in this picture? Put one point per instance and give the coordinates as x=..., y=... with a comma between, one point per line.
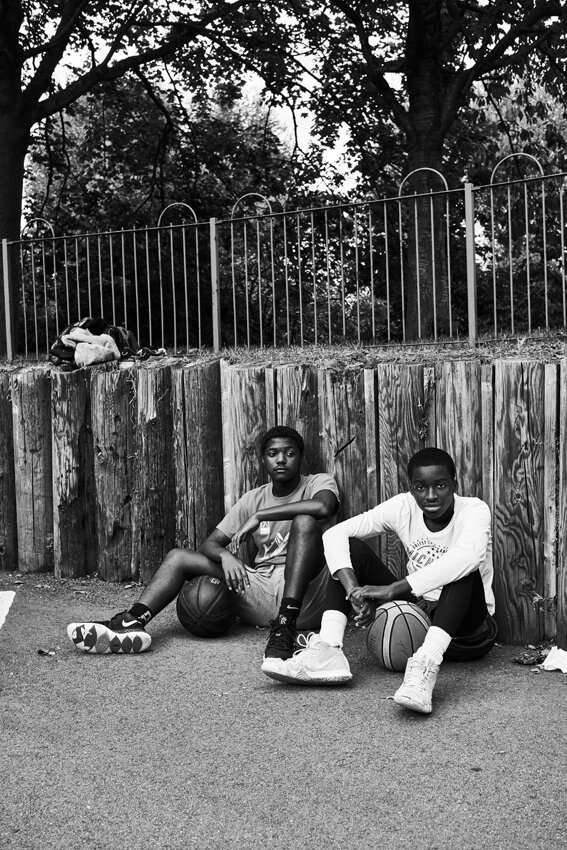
x=556, y=659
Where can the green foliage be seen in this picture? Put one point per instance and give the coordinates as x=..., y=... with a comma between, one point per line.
x=117, y=157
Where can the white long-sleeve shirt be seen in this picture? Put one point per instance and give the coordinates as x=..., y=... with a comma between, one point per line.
x=435, y=558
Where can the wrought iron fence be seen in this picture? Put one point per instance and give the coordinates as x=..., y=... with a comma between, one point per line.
x=441, y=263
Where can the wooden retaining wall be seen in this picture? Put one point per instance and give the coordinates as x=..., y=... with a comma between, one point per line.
x=105, y=469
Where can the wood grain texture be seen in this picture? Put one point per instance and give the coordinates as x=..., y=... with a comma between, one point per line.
x=74, y=532
x=561, y=615
x=8, y=520
x=550, y=506
x=372, y=442
x=459, y=420
x=428, y=408
x=153, y=497
x=31, y=422
x=400, y=426
x=518, y=494
x=271, y=391
x=113, y=411
x=343, y=437
x=243, y=402
x=297, y=406
x=197, y=449
x=487, y=434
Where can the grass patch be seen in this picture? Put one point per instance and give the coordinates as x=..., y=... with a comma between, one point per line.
x=545, y=347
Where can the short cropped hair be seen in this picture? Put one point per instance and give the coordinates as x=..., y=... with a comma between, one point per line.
x=286, y=433
x=431, y=457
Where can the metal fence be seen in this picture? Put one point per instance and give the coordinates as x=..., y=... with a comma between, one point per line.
x=441, y=263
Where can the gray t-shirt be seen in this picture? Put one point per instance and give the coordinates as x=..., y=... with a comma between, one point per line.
x=272, y=535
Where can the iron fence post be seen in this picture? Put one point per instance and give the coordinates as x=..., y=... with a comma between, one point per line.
x=7, y=300
x=215, y=284
x=471, y=263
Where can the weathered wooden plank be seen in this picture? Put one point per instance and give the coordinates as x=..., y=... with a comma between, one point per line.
x=112, y=415
x=297, y=406
x=74, y=534
x=487, y=433
x=550, y=462
x=153, y=502
x=197, y=441
x=243, y=400
x=8, y=519
x=271, y=390
x=459, y=415
x=343, y=430
x=31, y=421
x=518, y=489
x=372, y=452
x=428, y=408
x=562, y=512
x=401, y=426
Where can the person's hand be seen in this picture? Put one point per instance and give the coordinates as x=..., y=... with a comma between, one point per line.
x=243, y=533
x=364, y=609
x=377, y=592
x=235, y=574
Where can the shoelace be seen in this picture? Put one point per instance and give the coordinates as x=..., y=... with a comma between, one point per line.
x=416, y=675
x=305, y=642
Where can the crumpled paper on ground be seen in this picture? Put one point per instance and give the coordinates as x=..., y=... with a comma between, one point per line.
x=556, y=659
x=6, y=599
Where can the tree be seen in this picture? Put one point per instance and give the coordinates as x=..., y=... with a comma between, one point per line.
x=401, y=76
x=398, y=75
x=114, y=161
x=118, y=156
x=53, y=53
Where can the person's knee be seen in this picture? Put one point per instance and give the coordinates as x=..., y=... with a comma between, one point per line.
x=305, y=526
x=179, y=559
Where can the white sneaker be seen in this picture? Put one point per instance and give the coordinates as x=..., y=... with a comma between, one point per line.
x=417, y=688
x=316, y=663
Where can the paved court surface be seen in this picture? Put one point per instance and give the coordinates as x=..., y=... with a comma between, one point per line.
x=190, y=747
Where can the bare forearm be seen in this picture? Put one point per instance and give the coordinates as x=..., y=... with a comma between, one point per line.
x=307, y=507
x=212, y=550
x=347, y=578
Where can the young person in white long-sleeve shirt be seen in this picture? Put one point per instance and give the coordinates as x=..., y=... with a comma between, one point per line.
x=448, y=542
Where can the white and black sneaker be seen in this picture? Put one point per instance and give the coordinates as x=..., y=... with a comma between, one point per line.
x=315, y=663
x=123, y=634
x=281, y=642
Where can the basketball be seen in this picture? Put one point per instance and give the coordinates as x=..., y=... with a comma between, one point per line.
x=397, y=632
x=206, y=607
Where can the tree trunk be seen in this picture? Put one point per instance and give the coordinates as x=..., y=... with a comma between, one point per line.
x=425, y=271
x=14, y=140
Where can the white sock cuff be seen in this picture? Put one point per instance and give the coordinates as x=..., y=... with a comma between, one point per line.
x=333, y=625
x=435, y=644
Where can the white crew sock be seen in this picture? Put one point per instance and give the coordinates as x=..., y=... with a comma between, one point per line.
x=333, y=625
x=433, y=647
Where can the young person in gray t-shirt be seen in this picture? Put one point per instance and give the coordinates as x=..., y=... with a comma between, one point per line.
x=284, y=585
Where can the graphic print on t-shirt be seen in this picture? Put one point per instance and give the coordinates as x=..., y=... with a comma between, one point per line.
x=270, y=550
x=424, y=551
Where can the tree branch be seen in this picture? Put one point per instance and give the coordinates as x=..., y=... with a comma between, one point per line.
x=180, y=35
x=506, y=53
x=385, y=93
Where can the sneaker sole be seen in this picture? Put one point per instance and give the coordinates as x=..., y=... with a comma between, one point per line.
x=304, y=679
x=99, y=640
x=420, y=708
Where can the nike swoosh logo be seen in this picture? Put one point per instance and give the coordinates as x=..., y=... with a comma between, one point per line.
x=126, y=625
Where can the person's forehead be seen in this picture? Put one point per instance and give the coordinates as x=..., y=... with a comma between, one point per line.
x=284, y=443
x=431, y=473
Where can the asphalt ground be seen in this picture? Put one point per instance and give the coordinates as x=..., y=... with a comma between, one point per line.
x=190, y=746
